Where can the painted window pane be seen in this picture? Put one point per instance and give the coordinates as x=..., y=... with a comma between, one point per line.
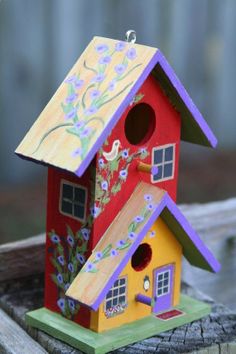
x=66, y=207
x=79, y=211
x=163, y=158
x=117, y=294
x=67, y=191
x=80, y=195
x=73, y=200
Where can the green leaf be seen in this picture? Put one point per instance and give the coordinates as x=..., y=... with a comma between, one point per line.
x=71, y=89
x=107, y=249
x=116, y=188
x=126, y=245
x=114, y=165
x=106, y=200
x=66, y=107
x=56, y=265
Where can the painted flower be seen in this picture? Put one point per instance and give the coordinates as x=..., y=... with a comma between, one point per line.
x=143, y=150
x=120, y=68
x=101, y=162
x=70, y=240
x=132, y=235
x=139, y=218
x=77, y=152
x=154, y=170
x=91, y=110
x=71, y=98
x=101, y=48
x=94, y=94
x=123, y=174
x=131, y=53
x=79, y=124
x=111, y=85
x=98, y=255
x=125, y=153
x=105, y=60
x=86, y=132
x=61, y=260
x=90, y=267
x=55, y=238
x=104, y=185
x=120, y=243
x=80, y=258
x=71, y=114
x=150, y=206
x=60, y=278
x=120, y=46
x=71, y=267
x=114, y=253
x=71, y=304
x=78, y=83
x=70, y=79
x=148, y=197
x=61, y=304
x=85, y=233
x=66, y=286
x=99, y=77
x=152, y=234
x=95, y=211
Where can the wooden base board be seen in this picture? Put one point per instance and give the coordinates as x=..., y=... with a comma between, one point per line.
x=97, y=343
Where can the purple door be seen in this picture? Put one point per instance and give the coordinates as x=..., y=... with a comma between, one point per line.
x=163, y=288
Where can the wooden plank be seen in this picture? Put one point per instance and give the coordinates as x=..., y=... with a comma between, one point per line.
x=14, y=340
x=22, y=258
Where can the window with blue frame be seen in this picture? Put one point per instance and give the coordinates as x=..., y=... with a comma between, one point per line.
x=163, y=158
x=73, y=200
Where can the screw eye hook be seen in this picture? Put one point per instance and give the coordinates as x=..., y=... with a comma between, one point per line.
x=130, y=36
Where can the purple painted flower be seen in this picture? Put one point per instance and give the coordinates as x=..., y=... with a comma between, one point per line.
x=86, y=132
x=95, y=211
x=70, y=79
x=152, y=233
x=125, y=153
x=123, y=174
x=55, y=238
x=148, y=197
x=143, y=150
x=78, y=83
x=91, y=110
x=154, y=170
x=101, y=162
x=61, y=260
x=77, y=152
x=79, y=124
x=111, y=85
x=114, y=253
x=101, y=48
x=120, y=46
x=105, y=60
x=150, y=206
x=99, y=77
x=61, y=304
x=131, y=53
x=132, y=235
x=71, y=304
x=95, y=94
x=120, y=243
x=104, y=185
x=70, y=240
x=60, y=278
x=71, y=98
x=85, y=233
x=66, y=286
x=89, y=267
x=98, y=256
x=71, y=114
x=80, y=258
x=120, y=68
x=139, y=218
x=71, y=267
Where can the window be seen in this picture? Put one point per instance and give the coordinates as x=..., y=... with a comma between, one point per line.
x=116, y=295
x=73, y=200
x=163, y=283
x=163, y=157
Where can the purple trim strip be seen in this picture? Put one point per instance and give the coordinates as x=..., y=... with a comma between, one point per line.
x=193, y=237
x=98, y=143
x=143, y=299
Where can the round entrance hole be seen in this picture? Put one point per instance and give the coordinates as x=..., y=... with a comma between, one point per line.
x=140, y=124
x=141, y=257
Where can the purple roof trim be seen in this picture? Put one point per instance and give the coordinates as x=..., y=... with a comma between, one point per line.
x=79, y=172
x=186, y=99
x=193, y=237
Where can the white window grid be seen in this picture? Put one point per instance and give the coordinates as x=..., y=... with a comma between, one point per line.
x=162, y=164
x=73, y=202
x=163, y=283
x=117, y=294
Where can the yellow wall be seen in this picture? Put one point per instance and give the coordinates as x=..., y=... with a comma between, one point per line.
x=165, y=250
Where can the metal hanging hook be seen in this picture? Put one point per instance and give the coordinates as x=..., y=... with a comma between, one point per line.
x=130, y=36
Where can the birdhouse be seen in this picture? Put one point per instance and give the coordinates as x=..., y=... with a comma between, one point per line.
x=115, y=237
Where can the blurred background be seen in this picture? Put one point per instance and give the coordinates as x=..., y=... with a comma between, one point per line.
x=39, y=42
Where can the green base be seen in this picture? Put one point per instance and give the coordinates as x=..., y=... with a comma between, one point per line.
x=91, y=342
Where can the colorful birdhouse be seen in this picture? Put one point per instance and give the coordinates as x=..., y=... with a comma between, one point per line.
x=110, y=138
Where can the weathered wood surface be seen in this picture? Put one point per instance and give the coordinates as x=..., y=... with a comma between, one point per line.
x=215, y=333
x=212, y=221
